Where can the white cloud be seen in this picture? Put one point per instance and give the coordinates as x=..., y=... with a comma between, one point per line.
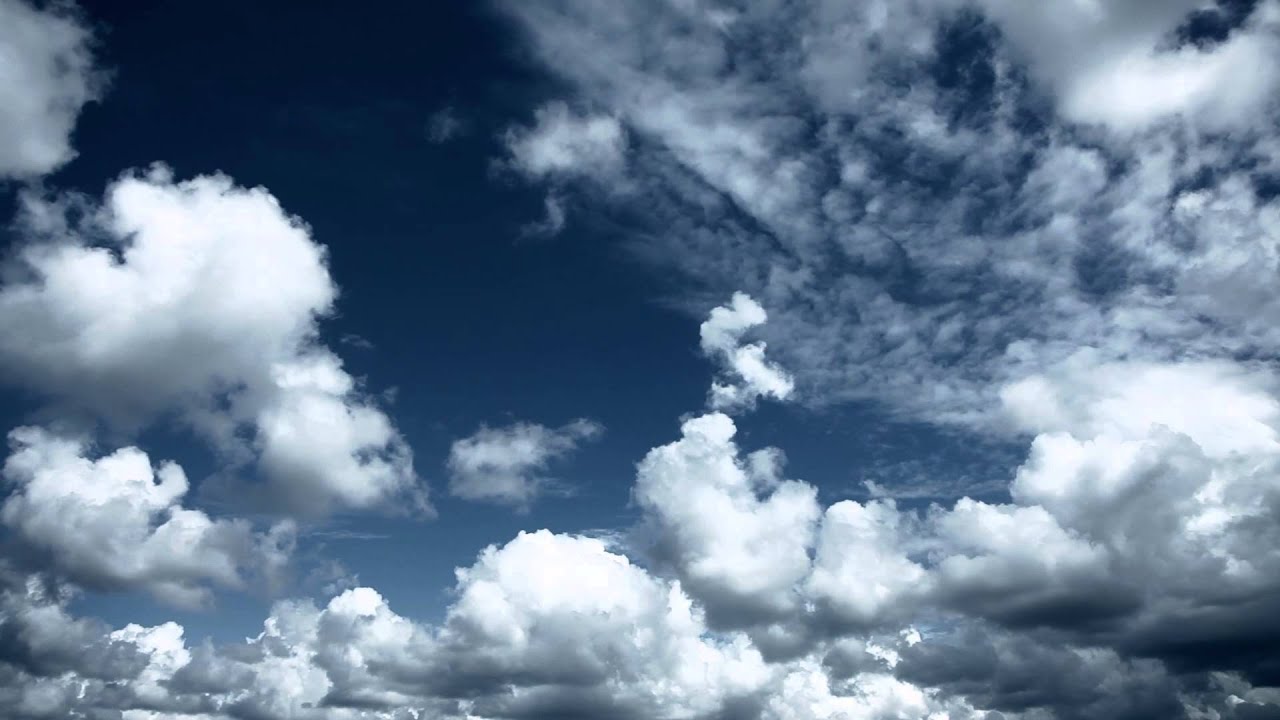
x=1109, y=62
x=756, y=377
x=738, y=540
x=862, y=574
x=923, y=229
x=506, y=465
x=924, y=233
x=117, y=522
x=48, y=77
x=204, y=301
x=563, y=143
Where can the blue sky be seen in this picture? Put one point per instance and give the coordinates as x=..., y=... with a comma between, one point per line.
x=882, y=360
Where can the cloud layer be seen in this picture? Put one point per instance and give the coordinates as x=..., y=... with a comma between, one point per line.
x=1051, y=228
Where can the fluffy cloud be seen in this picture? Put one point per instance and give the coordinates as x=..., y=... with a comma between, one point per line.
x=755, y=377
x=1112, y=63
x=48, y=77
x=739, y=553
x=558, y=624
x=564, y=146
x=117, y=522
x=203, y=301
x=505, y=465
x=888, y=179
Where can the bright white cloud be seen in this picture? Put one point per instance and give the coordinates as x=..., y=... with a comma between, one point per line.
x=1110, y=62
x=48, y=75
x=205, y=302
x=754, y=377
x=117, y=522
x=739, y=540
x=505, y=465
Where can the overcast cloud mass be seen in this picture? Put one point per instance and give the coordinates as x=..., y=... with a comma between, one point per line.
x=1051, y=226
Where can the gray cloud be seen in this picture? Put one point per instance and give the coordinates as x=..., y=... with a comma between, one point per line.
x=506, y=465
x=206, y=305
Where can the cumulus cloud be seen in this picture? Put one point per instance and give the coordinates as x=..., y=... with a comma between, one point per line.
x=505, y=465
x=1125, y=583
x=200, y=298
x=1055, y=236
x=117, y=522
x=738, y=539
x=754, y=377
x=48, y=78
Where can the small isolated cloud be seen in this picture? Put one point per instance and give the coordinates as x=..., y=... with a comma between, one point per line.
x=753, y=376
x=47, y=76
x=445, y=125
x=506, y=465
x=564, y=144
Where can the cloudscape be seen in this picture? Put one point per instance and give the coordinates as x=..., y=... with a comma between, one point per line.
x=663, y=359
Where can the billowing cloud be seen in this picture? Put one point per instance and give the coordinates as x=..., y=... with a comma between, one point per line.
x=1057, y=230
x=117, y=522
x=908, y=187
x=48, y=76
x=738, y=538
x=203, y=301
x=1121, y=63
x=505, y=465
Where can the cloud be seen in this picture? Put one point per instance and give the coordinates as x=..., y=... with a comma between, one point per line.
x=116, y=522
x=763, y=605
x=1111, y=63
x=552, y=222
x=445, y=125
x=505, y=465
x=562, y=143
x=49, y=76
x=905, y=187
x=739, y=553
x=200, y=298
x=950, y=210
x=756, y=377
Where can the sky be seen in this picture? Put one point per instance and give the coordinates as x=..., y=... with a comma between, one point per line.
x=683, y=359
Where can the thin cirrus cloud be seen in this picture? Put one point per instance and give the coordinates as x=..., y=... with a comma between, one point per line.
x=945, y=209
